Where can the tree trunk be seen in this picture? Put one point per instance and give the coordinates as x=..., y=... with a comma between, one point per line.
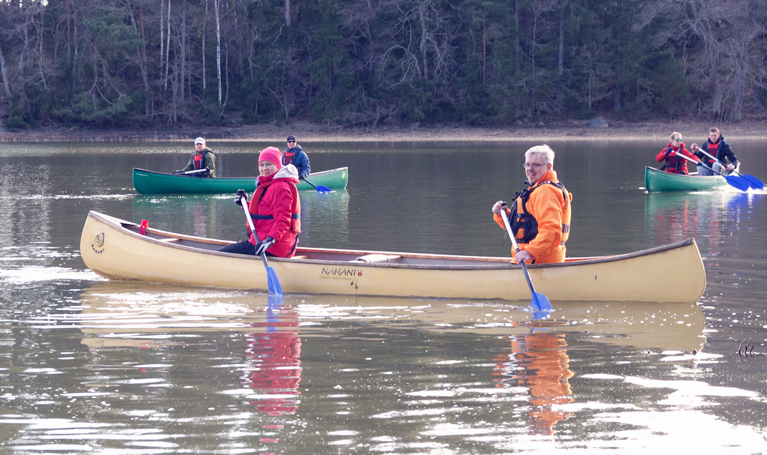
x=287, y=13
x=167, y=50
x=424, y=42
x=162, y=33
x=560, y=56
x=182, y=82
x=290, y=95
x=218, y=49
x=516, y=35
x=6, y=82
x=717, y=95
x=204, y=32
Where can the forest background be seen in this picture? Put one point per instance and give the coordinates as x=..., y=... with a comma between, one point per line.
x=356, y=64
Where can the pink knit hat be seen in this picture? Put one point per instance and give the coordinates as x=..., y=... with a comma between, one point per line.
x=272, y=154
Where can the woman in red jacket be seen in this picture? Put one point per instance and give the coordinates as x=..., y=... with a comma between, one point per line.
x=675, y=164
x=275, y=209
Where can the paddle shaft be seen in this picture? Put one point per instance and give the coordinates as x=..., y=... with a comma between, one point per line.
x=699, y=162
x=272, y=281
x=708, y=155
x=196, y=171
x=516, y=248
x=253, y=230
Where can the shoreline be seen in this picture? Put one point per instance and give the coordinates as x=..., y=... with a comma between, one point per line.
x=572, y=130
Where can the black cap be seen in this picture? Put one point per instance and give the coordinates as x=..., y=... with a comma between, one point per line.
x=291, y=138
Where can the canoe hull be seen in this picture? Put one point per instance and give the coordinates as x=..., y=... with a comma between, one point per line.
x=114, y=249
x=150, y=182
x=656, y=180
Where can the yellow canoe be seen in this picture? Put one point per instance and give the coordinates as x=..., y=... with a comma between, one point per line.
x=115, y=249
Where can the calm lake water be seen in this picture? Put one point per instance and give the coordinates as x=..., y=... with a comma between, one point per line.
x=93, y=366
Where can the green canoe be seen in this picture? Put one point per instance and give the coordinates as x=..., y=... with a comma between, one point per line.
x=656, y=180
x=150, y=182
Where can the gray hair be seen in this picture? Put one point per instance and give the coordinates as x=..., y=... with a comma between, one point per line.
x=544, y=151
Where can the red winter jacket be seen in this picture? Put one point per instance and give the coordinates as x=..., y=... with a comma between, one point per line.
x=276, y=209
x=674, y=164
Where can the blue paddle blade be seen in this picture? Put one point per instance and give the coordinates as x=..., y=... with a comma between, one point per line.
x=738, y=182
x=273, y=282
x=540, y=315
x=755, y=182
x=540, y=302
x=323, y=189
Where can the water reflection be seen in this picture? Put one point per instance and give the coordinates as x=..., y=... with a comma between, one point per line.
x=198, y=214
x=709, y=217
x=276, y=358
x=538, y=361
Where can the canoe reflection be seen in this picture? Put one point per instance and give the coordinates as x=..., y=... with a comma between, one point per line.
x=709, y=217
x=537, y=365
x=276, y=358
x=113, y=308
x=538, y=362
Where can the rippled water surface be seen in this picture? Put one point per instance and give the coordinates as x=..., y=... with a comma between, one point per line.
x=95, y=366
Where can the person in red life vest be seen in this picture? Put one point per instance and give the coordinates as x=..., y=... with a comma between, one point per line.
x=718, y=148
x=296, y=156
x=202, y=158
x=540, y=216
x=275, y=209
x=675, y=164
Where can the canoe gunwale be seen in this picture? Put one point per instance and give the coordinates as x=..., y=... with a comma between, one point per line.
x=170, y=174
x=488, y=262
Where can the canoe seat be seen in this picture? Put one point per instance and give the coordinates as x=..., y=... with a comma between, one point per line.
x=377, y=258
x=169, y=240
x=302, y=256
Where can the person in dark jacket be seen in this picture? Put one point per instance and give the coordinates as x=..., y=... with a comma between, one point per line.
x=718, y=148
x=202, y=158
x=296, y=156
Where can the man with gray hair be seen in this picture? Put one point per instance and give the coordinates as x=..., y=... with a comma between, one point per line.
x=540, y=216
x=202, y=160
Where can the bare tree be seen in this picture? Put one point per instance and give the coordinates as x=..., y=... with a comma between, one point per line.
x=218, y=51
x=728, y=65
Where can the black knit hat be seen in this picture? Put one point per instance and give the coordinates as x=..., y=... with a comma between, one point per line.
x=291, y=138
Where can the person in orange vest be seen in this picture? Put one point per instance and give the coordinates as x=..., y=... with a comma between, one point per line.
x=275, y=209
x=675, y=164
x=540, y=216
x=717, y=147
x=202, y=158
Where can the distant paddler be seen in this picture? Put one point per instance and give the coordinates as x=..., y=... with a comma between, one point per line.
x=202, y=163
x=675, y=164
x=717, y=147
x=540, y=216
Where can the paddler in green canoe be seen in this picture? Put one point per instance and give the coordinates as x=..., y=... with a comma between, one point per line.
x=202, y=163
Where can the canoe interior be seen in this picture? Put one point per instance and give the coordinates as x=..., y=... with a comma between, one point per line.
x=383, y=258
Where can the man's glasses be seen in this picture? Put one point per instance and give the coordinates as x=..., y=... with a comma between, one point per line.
x=528, y=166
x=291, y=142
